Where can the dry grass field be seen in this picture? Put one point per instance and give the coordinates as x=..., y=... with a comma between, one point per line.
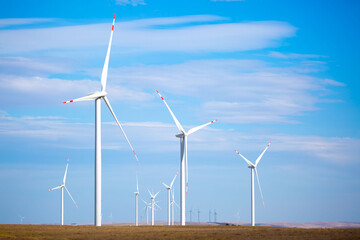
x=176, y=232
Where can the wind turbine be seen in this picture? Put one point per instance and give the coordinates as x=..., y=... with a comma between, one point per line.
x=169, y=190
x=153, y=196
x=183, y=157
x=136, y=202
x=147, y=206
x=172, y=204
x=21, y=219
x=62, y=186
x=253, y=168
x=97, y=96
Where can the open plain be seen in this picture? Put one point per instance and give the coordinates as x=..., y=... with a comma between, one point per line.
x=174, y=232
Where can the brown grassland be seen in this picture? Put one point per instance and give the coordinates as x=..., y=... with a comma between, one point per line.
x=174, y=232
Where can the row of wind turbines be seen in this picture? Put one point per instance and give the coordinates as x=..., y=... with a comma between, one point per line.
x=183, y=135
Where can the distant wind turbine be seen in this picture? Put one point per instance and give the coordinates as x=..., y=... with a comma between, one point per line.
x=153, y=196
x=253, y=168
x=21, y=219
x=137, y=202
x=97, y=96
x=173, y=203
x=147, y=206
x=62, y=186
x=183, y=157
x=169, y=188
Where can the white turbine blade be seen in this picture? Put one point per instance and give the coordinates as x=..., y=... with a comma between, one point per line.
x=259, y=187
x=164, y=184
x=70, y=196
x=149, y=192
x=172, y=114
x=250, y=163
x=176, y=204
x=55, y=188
x=192, y=130
x=112, y=112
x=67, y=165
x=258, y=159
x=144, y=201
x=156, y=194
x=156, y=205
x=106, y=64
x=172, y=182
x=86, y=98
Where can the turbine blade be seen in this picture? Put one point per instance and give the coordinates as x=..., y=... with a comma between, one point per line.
x=172, y=182
x=250, y=163
x=192, y=130
x=258, y=159
x=176, y=204
x=86, y=98
x=112, y=112
x=259, y=187
x=149, y=192
x=55, y=188
x=173, y=116
x=71, y=196
x=164, y=184
x=156, y=205
x=143, y=201
x=67, y=165
x=106, y=64
x=156, y=194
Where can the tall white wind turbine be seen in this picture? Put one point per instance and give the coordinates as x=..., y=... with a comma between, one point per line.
x=153, y=196
x=183, y=158
x=253, y=169
x=137, y=202
x=169, y=191
x=62, y=187
x=97, y=96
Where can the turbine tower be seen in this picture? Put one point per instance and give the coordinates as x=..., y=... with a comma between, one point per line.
x=97, y=96
x=253, y=169
x=183, y=158
x=169, y=188
x=137, y=202
x=62, y=186
x=153, y=196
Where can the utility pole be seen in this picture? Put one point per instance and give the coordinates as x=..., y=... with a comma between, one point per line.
x=209, y=215
x=215, y=214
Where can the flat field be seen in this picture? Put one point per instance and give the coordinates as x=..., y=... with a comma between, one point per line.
x=174, y=232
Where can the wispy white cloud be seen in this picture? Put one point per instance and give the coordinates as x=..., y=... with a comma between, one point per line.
x=34, y=66
x=160, y=137
x=236, y=91
x=143, y=35
x=5, y=22
x=130, y=2
x=43, y=91
x=293, y=55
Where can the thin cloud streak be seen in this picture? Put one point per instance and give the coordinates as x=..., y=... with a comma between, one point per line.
x=142, y=35
x=236, y=91
x=159, y=137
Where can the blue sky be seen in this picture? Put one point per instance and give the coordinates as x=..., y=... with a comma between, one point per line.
x=283, y=71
